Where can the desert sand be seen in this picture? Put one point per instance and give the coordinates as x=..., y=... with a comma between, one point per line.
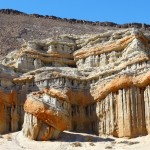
x=73, y=141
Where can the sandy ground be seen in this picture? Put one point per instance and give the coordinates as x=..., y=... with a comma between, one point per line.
x=73, y=141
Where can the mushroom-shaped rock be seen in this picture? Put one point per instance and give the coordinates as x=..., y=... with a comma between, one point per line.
x=45, y=116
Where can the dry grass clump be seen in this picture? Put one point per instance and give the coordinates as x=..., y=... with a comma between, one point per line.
x=76, y=144
x=91, y=144
x=128, y=142
x=108, y=147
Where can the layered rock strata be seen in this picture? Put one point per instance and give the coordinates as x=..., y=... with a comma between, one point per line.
x=11, y=102
x=50, y=52
x=97, y=84
x=124, y=100
x=46, y=115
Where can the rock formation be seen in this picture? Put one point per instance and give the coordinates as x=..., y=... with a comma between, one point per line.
x=97, y=84
x=46, y=115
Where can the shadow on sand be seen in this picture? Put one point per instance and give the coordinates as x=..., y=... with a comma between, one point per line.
x=81, y=137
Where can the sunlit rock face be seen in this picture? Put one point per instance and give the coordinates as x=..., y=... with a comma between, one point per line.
x=97, y=84
x=50, y=114
x=11, y=104
x=36, y=54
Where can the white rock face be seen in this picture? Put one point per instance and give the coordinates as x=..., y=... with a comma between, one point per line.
x=91, y=83
x=37, y=129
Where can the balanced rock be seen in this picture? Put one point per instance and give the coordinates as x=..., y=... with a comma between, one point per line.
x=49, y=115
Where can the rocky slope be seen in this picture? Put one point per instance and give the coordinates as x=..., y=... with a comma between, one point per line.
x=93, y=83
x=17, y=27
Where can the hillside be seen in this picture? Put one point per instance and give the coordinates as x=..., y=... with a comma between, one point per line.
x=17, y=27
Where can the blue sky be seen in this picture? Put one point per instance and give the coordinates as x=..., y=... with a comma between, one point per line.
x=118, y=11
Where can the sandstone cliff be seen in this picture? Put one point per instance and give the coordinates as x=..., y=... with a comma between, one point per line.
x=96, y=83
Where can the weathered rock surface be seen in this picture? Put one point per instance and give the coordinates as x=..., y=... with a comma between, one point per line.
x=97, y=84
x=11, y=102
x=53, y=113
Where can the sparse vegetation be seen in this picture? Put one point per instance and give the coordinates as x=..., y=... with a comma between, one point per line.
x=17, y=27
x=108, y=147
x=128, y=142
x=76, y=144
x=91, y=144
